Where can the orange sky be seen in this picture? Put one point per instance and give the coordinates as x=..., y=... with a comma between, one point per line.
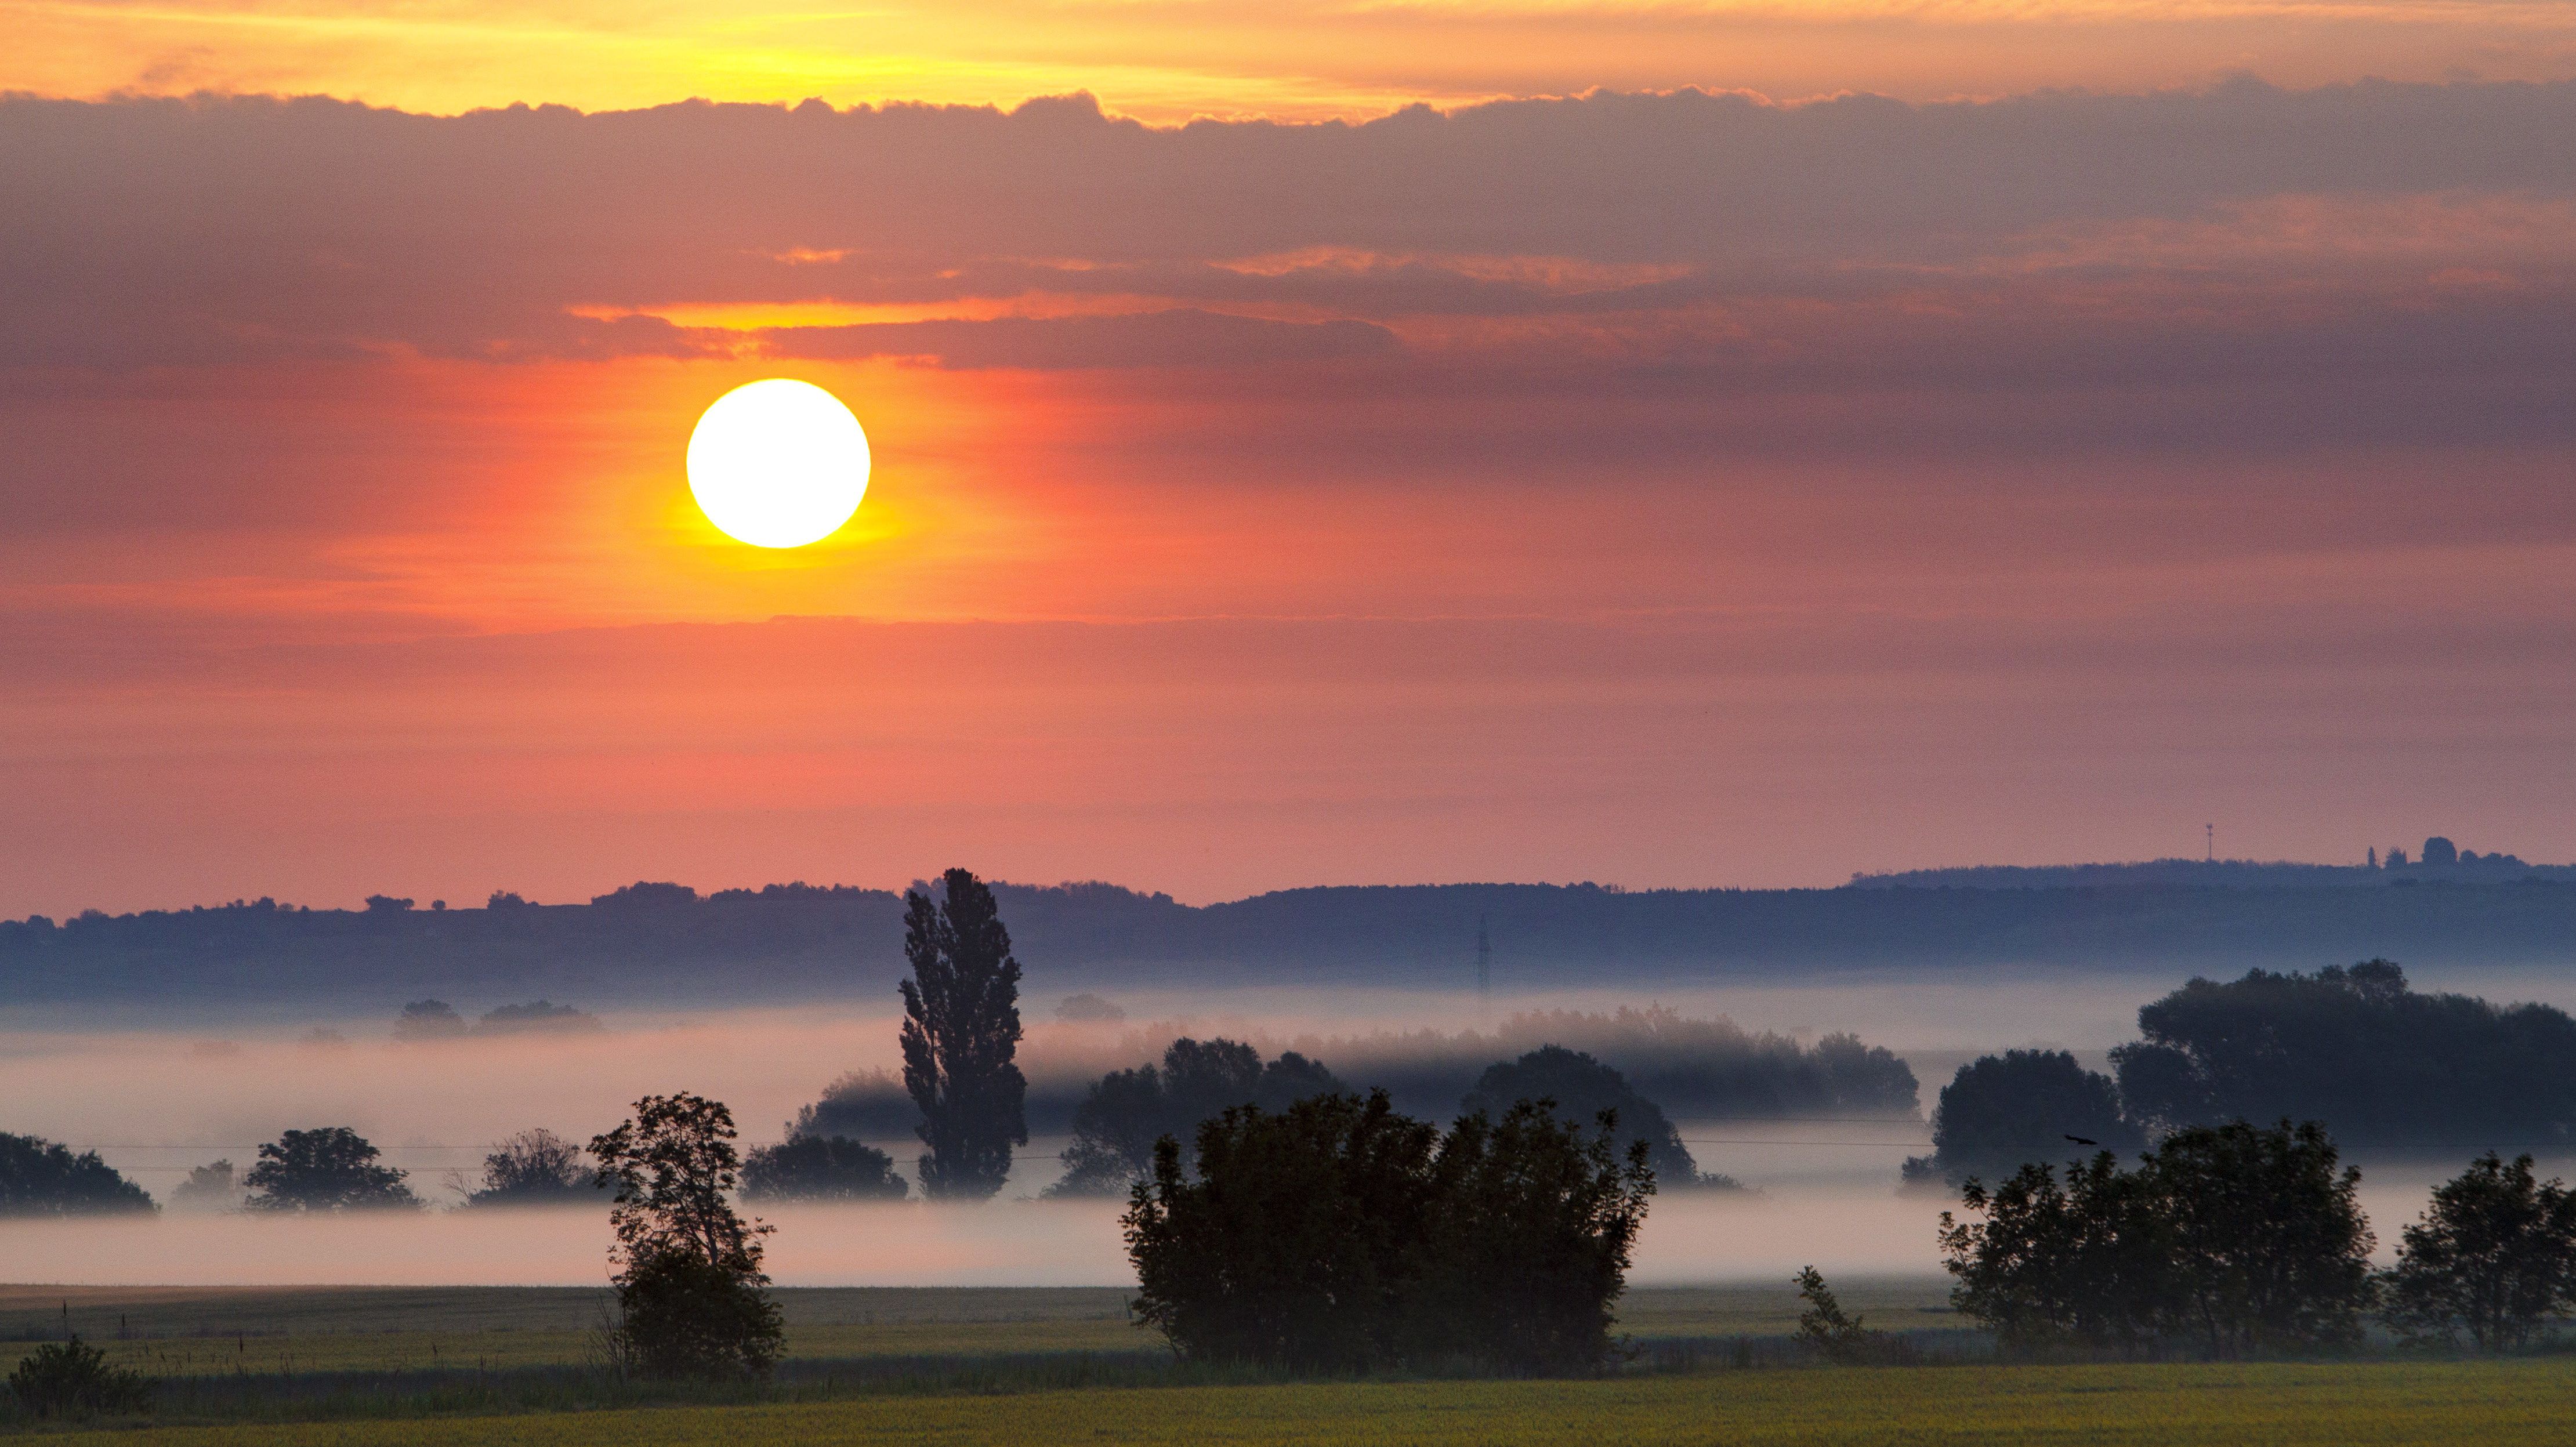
x=1676, y=488
x=1167, y=60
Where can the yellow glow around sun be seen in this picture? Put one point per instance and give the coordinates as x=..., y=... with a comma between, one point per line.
x=778, y=464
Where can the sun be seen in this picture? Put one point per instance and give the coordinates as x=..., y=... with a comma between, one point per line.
x=778, y=463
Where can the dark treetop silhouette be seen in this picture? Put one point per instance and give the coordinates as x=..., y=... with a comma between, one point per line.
x=41, y=1178
x=330, y=1169
x=1126, y=1111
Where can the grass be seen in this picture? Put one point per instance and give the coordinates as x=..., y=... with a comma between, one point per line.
x=199, y=1331
x=2347, y=1405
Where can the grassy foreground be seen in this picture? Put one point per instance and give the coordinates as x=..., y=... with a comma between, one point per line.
x=2330, y=1405
x=270, y=1331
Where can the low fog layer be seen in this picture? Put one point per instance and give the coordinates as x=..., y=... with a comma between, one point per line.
x=156, y=1103
x=1688, y=1238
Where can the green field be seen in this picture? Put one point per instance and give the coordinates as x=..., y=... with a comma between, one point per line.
x=2150, y=1406
x=325, y=1366
x=183, y=1331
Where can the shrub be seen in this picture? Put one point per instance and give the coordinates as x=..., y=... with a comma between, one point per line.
x=537, y=1017
x=61, y=1378
x=1339, y=1235
x=1834, y=1334
x=2268, y=1241
x=2232, y=1239
x=429, y=1020
x=870, y=1105
x=535, y=1168
x=1530, y=1238
x=2495, y=1256
x=211, y=1187
x=1126, y=1111
x=2002, y=1112
x=1582, y=1088
x=2084, y=1265
x=821, y=1168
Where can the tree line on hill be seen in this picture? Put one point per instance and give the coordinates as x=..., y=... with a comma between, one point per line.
x=2439, y=861
x=2384, y=1066
x=667, y=942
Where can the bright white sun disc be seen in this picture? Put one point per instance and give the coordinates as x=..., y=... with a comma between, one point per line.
x=778, y=464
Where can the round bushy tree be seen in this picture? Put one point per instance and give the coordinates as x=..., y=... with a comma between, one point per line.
x=1581, y=1089
x=2003, y=1112
x=535, y=1168
x=330, y=1169
x=821, y=1168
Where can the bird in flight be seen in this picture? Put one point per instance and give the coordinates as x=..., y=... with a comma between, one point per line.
x=2081, y=1141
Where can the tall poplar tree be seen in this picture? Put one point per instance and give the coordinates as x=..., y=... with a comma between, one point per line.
x=961, y=1030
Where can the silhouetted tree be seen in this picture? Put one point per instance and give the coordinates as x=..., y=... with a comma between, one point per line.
x=2495, y=1256
x=1088, y=1009
x=1126, y=1111
x=1529, y=1239
x=2084, y=1265
x=41, y=1178
x=1581, y=1088
x=2002, y=1112
x=1297, y=1243
x=2232, y=1239
x=2266, y=1237
x=330, y=1169
x=2356, y=1049
x=1339, y=1235
x=428, y=1020
x=535, y=1168
x=961, y=1032
x=689, y=1283
x=1694, y=1068
x=862, y=1105
x=536, y=1017
x=820, y=1168
x=208, y=1188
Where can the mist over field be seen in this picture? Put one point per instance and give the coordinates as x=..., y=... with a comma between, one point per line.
x=156, y=1102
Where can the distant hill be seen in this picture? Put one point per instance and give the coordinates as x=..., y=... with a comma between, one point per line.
x=663, y=944
x=2461, y=867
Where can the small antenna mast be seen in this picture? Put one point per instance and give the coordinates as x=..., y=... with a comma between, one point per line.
x=2209, y=839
